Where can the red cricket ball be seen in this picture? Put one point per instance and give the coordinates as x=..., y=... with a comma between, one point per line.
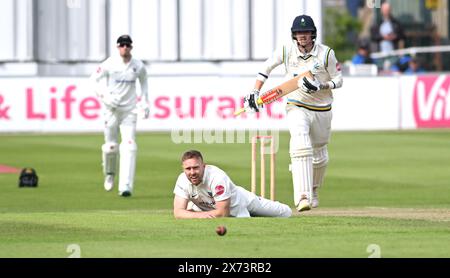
x=221, y=230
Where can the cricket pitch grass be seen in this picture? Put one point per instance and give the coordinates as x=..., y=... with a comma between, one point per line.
x=386, y=194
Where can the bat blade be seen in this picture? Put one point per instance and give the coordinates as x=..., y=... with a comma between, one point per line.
x=279, y=91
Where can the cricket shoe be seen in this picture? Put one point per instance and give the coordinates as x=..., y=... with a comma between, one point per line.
x=315, y=198
x=109, y=182
x=125, y=193
x=303, y=205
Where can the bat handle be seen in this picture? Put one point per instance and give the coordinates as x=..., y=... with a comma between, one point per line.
x=259, y=101
x=239, y=112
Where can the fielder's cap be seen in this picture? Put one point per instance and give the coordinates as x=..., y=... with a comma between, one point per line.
x=124, y=39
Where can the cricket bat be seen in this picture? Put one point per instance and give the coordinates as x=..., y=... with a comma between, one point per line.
x=279, y=91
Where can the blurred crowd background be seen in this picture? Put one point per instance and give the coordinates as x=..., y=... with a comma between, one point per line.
x=422, y=34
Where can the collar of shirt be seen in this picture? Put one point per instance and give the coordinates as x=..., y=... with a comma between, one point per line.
x=313, y=51
x=119, y=60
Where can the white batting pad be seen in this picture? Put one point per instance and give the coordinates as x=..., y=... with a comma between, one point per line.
x=320, y=162
x=302, y=177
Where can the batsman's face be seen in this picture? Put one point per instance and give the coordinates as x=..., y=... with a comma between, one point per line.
x=194, y=169
x=304, y=38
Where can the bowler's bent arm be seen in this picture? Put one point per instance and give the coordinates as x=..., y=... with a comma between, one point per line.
x=180, y=209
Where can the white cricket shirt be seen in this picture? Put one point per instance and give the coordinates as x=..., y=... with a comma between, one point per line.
x=322, y=63
x=118, y=79
x=215, y=186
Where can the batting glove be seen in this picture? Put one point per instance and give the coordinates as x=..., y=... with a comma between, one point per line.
x=250, y=102
x=310, y=86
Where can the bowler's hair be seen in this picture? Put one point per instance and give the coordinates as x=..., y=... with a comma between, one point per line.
x=191, y=154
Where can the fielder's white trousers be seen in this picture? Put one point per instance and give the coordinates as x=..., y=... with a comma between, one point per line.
x=268, y=208
x=124, y=122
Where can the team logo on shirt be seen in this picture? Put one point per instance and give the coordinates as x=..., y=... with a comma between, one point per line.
x=316, y=66
x=134, y=69
x=338, y=66
x=99, y=69
x=220, y=189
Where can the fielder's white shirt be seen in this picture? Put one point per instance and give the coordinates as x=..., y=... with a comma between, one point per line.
x=118, y=79
x=216, y=186
x=322, y=63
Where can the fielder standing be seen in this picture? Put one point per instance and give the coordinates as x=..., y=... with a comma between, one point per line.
x=308, y=108
x=205, y=191
x=115, y=85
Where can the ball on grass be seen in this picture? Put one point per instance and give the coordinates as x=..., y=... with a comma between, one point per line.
x=221, y=230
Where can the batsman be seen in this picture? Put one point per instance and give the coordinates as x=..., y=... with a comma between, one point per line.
x=308, y=109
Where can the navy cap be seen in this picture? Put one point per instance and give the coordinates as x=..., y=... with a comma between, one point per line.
x=124, y=39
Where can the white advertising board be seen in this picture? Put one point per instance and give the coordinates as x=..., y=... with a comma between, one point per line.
x=208, y=102
x=366, y=103
x=425, y=101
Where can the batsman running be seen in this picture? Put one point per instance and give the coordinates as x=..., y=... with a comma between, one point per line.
x=308, y=107
x=205, y=191
x=114, y=83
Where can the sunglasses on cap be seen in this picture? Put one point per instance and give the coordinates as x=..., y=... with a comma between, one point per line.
x=125, y=45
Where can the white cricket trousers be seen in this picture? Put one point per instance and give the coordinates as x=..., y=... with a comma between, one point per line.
x=310, y=133
x=125, y=122
x=267, y=208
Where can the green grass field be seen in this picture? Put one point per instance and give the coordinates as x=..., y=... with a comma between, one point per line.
x=386, y=188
